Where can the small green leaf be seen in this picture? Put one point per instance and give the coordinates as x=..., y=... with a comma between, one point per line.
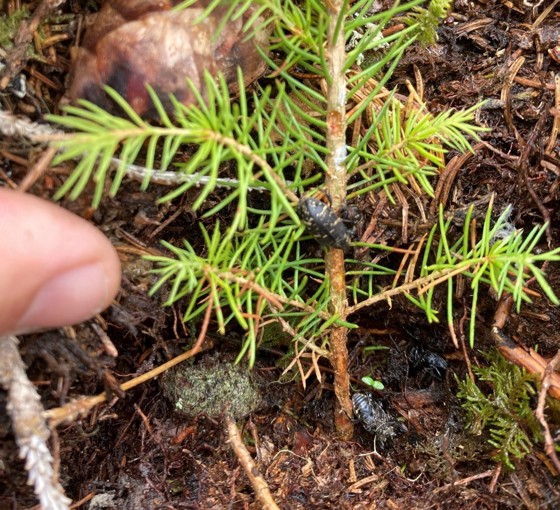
x=373, y=383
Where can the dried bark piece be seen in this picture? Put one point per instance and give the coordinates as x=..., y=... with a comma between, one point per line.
x=132, y=44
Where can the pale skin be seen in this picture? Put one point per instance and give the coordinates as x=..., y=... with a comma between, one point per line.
x=56, y=269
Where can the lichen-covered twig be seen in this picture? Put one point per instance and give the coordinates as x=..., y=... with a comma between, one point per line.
x=11, y=125
x=29, y=426
x=257, y=481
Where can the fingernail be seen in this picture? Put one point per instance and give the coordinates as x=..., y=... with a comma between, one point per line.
x=69, y=298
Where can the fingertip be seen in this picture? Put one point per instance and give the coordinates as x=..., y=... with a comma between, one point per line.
x=57, y=268
x=68, y=298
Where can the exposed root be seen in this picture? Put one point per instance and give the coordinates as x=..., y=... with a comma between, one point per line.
x=257, y=481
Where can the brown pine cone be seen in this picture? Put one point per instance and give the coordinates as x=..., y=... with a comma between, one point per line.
x=138, y=42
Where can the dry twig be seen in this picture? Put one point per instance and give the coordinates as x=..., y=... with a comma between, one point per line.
x=549, y=446
x=72, y=410
x=257, y=481
x=525, y=357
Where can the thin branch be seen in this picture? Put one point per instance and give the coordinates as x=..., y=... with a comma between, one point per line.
x=258, y=160
x=274, y=300
x=10, y=125
x=172, y=178
x=402, y=289
x=287, y=328
x=549, y=446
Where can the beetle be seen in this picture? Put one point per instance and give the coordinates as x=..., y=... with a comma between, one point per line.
x=427, y=362
x=375, y=419
x=324, y=224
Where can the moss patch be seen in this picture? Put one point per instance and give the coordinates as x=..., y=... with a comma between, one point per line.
x=211, y=388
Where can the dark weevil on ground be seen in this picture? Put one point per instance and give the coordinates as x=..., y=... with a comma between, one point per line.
x=423, y=361
x=375, y=420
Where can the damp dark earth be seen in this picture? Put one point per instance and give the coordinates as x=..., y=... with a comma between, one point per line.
x=439, y=419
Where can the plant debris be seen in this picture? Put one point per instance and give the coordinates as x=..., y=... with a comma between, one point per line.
x=131, y=45
x=212, y=388
x=138, y=452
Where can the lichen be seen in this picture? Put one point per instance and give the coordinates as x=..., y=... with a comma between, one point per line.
x=212, y=388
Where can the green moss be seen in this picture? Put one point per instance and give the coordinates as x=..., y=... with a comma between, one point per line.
x=504, y=409
x=461, y=449
x=427, y=20
x=211, y=387
x=9, y=26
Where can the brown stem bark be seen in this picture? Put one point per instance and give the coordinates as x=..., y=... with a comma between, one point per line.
x=338, y=346
x=335, y=183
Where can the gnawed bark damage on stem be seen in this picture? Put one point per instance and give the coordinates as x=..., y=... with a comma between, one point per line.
x=335, y=183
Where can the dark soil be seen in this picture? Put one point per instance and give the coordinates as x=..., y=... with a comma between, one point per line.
x=137, y=453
